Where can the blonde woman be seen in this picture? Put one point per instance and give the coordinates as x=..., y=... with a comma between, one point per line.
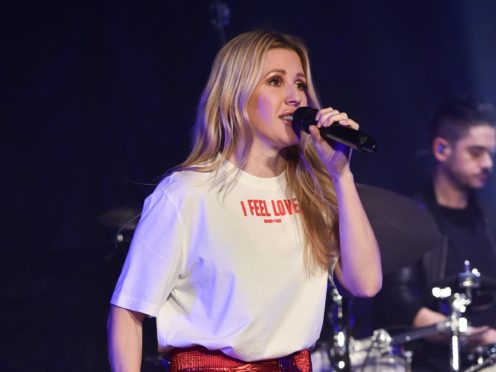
x=234, y=248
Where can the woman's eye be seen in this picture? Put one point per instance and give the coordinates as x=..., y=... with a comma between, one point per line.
x=275, y=82
x=301, y=85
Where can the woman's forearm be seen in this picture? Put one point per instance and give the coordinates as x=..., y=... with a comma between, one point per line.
x=125, y=339
x=359, y=269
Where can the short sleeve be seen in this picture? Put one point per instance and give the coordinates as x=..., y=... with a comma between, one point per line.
x=153, y=263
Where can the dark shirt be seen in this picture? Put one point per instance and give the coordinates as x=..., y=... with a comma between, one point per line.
x=467, y=240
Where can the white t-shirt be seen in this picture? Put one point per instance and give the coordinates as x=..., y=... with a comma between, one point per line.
x=223, y=270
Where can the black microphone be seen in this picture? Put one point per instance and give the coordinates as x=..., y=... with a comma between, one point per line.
x=303, y=117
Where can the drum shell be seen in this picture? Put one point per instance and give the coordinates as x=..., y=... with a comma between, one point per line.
x=377, y=363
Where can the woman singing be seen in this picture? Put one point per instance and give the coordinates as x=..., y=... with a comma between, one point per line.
x=234, y=248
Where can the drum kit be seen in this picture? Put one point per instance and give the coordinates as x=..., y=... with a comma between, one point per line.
x=405, y=232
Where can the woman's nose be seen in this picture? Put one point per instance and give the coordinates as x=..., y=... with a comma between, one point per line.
x=294, y=95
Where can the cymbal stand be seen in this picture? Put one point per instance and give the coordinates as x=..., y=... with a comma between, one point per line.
x=339, y=351
x=457, y=324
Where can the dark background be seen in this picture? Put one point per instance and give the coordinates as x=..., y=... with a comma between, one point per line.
x=98, y=98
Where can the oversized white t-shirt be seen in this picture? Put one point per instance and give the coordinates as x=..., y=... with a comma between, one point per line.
x=223, y=269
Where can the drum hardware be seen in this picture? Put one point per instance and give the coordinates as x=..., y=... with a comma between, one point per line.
x=377, y=353
x=378, y=344
x=482, y=294
x=381, y=345
x=456, y=325
x=339, y=355
x=469, y=279
x=458, y=302
x=418, y=333
x=484, y=358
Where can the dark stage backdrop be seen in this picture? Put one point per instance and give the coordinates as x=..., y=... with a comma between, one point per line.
x=98, y=98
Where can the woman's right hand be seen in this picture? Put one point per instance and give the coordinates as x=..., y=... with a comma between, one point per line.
x=336, y=158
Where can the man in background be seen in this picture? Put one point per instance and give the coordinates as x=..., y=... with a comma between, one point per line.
x=463, y=138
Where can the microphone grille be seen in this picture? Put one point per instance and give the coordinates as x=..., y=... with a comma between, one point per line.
x=303, y=117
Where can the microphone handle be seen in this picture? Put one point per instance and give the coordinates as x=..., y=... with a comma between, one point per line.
x=348, y=136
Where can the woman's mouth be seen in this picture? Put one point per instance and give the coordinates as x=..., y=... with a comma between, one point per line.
x=287, y=119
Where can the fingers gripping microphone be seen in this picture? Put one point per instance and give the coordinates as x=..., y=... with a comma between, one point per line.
x=303, y=117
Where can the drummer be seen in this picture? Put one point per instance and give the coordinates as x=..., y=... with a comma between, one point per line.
x=463, y=145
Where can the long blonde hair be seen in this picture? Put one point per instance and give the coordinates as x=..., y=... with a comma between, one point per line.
x=222, y=128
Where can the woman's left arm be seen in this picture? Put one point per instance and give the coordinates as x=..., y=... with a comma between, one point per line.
x=359, y=268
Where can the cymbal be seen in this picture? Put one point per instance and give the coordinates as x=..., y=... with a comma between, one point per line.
x=404, y=230
x=124, y=218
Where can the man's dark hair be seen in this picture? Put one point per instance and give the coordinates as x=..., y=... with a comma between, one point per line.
x=455, y=117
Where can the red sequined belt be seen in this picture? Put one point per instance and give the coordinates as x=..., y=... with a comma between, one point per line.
x=200, y=359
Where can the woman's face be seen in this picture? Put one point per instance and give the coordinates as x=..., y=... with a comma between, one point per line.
x=280, y=91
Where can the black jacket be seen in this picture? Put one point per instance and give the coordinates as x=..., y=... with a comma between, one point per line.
x=407, y=290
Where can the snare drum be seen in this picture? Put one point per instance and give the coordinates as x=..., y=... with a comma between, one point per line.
x=368, y=356
x=360, y=362
x=377, y=363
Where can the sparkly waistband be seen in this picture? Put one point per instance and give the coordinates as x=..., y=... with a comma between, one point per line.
x=200, y=359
